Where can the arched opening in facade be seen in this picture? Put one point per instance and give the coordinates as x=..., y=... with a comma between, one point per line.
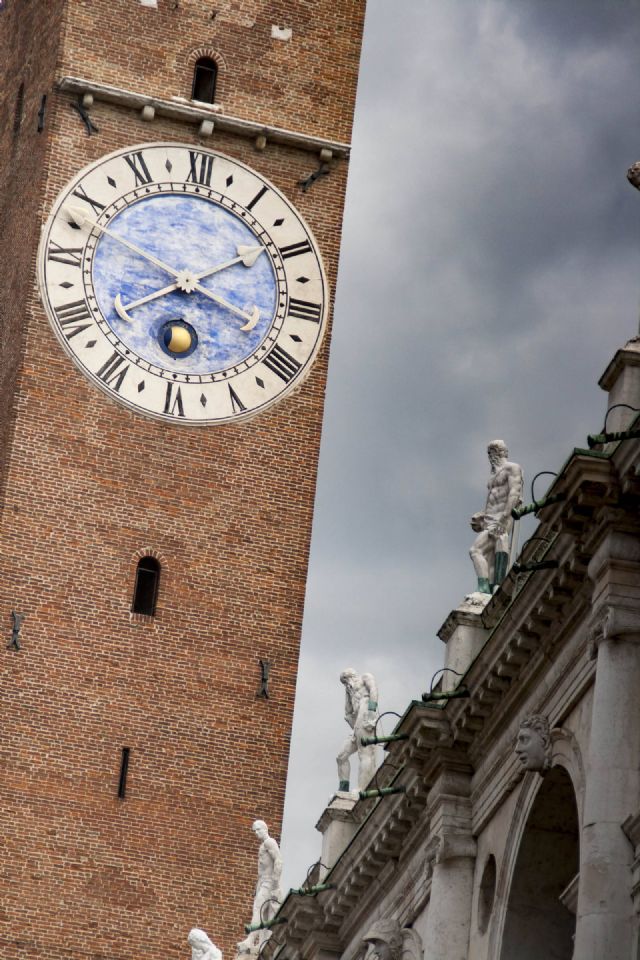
x=205, y=75
x=540, y=921
x=145, y=591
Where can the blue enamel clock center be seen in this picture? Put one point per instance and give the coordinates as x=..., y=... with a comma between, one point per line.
x=191, y=235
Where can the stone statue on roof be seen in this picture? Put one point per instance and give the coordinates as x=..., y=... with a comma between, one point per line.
x=268, y=895
x=361, y=713
x=490, y=550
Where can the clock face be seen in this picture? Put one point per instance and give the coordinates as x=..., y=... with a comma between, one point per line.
x=183, y=283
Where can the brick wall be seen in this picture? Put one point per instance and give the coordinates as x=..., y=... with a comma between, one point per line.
x=89, y=486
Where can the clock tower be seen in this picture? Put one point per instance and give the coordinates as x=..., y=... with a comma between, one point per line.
x=174, y=186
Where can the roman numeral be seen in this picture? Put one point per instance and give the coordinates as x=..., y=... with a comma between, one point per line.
x=71, y=316
x=261, y=192
x=237, y=405
x=70, y=255
x=173, y=403
x=82, y=193
x=201, y=167
x=281, y=363
x=295, y=249
x=112, y=372
x=139, y=167
x=304, y=310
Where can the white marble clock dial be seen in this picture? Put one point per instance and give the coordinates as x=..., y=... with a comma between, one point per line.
x=183, y=283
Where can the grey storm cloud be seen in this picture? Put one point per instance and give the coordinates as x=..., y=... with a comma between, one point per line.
x=489, y=270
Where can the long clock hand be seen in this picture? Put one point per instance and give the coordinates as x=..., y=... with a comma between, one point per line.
x=80, y=217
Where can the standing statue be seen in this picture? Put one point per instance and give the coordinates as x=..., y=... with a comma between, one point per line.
x=268, y=895
x=361, y=713
x=201, y=947
x=490, y=550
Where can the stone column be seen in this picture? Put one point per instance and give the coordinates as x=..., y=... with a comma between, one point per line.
x=449, y=911
x=606, y=917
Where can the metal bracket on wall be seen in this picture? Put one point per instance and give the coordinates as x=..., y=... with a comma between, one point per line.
x=323, y=170
x=18, y=619
x=81, y=108
x=263, y=691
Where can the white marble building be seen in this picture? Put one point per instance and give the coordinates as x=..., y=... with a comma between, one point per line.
x=511, y=829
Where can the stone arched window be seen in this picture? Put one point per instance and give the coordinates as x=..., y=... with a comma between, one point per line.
x=145, y=591
x=205, y=75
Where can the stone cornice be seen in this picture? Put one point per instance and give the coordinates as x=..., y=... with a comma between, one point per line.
x=195, y=114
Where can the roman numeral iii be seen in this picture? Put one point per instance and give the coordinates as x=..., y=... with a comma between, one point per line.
x=295, y=249
x=305, y=310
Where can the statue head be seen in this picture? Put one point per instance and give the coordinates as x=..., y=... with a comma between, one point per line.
x=201, y=946
x=533, y=743
x=497, y=452
x=385, y=940
x=348, y=677
x=260, y=829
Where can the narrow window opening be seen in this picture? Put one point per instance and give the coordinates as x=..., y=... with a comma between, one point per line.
x=145, y=591
x=41, y=112
x=204, y=80
x=19, y=110
x=124, y=766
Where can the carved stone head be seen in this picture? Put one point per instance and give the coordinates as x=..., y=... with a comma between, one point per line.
x=533, y=743
x=260, y=829
x=497, y=451
x=201, y=946
x=385, y=940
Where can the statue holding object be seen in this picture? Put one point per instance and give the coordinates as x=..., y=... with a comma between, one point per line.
x=490, y=550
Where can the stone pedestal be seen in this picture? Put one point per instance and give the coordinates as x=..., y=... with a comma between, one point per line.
x=606, y=922
x=337, y=826
x=454, y=851
x=622, y=380
x=464, y=636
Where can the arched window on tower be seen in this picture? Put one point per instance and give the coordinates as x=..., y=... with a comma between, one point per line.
x=204, y=80
x=145, y=591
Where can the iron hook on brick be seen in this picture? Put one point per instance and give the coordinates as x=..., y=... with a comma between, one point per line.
x=322, y=171
x=263, y=690
x=86, y=119
x=18, y=619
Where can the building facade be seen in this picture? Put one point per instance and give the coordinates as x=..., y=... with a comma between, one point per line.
x=159, y=458
x=504, y=821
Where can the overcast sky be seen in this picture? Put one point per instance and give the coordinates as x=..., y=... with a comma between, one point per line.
x=490, y=268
